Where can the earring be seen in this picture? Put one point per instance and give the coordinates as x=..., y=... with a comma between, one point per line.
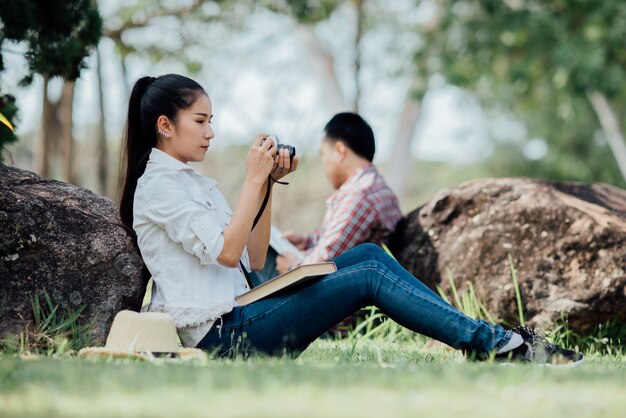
x=163, y=134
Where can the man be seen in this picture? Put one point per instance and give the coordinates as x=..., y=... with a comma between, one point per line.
x=362, y=208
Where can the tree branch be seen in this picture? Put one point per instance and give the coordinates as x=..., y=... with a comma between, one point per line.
x=610, y=126
x=133, y=23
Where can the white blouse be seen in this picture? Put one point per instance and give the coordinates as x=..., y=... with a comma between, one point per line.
x=179, y=216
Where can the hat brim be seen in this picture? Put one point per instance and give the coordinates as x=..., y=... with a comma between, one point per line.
x=104, y=352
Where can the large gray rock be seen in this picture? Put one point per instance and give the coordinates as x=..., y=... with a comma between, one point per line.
x=69, y=242
x=567, y=240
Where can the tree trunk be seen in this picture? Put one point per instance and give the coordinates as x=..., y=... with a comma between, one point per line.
x=324, y=64
x=360, y=26
x=55, y=138
x=48, y=134
x=611, y=128
x=125, y=77
x=102, y=154
x=66, y=106
x=405, y=132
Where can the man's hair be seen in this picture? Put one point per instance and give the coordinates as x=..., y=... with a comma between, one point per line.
x=354, y=131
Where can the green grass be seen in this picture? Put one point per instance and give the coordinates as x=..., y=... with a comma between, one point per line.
x=329, y=379
x=54, y=331
x=379, y=370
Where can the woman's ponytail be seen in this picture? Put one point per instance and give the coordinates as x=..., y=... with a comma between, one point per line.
x=150, y=98
x=136, y=149
x=137, y=146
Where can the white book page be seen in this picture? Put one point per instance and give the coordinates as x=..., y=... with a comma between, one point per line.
x=282, y=245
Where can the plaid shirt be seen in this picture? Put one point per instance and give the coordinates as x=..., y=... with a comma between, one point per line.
x=364, y=209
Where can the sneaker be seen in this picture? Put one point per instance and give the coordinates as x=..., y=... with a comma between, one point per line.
x=536, y=349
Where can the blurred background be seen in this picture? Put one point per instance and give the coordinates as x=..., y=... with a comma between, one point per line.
x=454, y=90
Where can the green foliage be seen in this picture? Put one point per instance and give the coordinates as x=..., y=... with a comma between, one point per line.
x=575, y=45
x=518, y=293
x=59, y=34
x=467, y=302
x=53, y=333
x=575, y=150
x=186, y=20
x=378, y=326
x=538, y=59
x=303, y=11
x=9, y=110
x=605, y=339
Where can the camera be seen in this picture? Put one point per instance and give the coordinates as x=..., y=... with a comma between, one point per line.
x=279, y=146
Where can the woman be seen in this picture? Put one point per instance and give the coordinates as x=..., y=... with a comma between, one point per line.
x=194, y=247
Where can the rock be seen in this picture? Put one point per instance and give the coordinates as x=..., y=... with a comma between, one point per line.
x=69, y=242
x=567, y=240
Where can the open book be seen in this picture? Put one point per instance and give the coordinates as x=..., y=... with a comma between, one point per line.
x=300, y=274
x=282, y=245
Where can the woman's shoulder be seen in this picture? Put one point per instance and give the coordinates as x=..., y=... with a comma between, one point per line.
x=159, y=181
x=160, y=172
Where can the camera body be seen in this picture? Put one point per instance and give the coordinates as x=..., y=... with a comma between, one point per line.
x=279, y=146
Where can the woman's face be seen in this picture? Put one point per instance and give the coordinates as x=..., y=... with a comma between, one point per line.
x=192, y=132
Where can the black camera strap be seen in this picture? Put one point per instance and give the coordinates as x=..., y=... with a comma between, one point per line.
x=270, y=179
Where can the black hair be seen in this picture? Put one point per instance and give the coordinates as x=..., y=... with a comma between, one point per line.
x=150, y=98
x=351, y=129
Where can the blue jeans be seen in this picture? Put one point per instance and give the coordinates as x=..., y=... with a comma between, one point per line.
x=269, y=269
x=290, y=320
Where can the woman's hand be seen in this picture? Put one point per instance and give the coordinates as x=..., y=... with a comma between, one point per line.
x=283, y=164
x=261, y=158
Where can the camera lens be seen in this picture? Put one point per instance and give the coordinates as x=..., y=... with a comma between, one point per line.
x=290, y=148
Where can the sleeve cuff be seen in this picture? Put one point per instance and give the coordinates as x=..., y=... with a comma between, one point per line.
x=210, y=240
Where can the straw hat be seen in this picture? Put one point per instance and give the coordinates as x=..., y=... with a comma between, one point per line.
x=142, y=335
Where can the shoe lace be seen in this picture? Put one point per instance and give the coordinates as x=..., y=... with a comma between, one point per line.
x=534, y=338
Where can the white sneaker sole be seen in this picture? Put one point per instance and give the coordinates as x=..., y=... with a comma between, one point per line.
x=548, y=365
x=566, y=365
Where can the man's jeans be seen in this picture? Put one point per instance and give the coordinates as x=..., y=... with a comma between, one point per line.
x=288, y=321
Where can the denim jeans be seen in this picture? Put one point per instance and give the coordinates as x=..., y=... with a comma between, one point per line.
x=290, y=320
x=269, y=269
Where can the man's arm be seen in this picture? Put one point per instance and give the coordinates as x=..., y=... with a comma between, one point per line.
x=349, y=225
x=346, y=227
x=311, y=240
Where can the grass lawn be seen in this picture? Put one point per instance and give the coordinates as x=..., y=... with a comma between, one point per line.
x=331, y=379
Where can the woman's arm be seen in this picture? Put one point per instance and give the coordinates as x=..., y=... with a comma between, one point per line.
x=260, y=236
x=260, y=163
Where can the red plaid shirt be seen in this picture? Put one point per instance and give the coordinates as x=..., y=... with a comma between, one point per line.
x=364, y=209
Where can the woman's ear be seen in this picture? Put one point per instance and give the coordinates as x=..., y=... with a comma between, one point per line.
x=165, y=126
